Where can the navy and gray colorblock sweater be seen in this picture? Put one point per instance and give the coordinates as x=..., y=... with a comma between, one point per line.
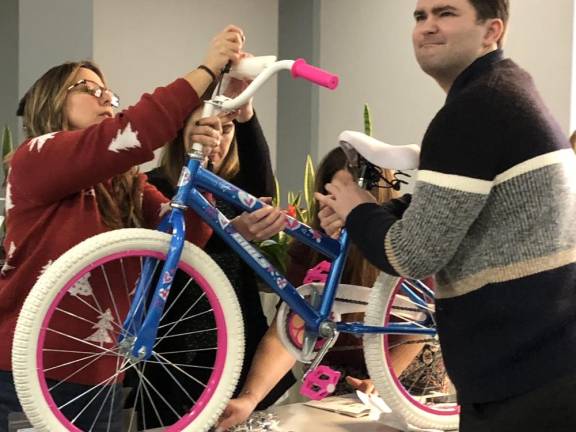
x=493, y=216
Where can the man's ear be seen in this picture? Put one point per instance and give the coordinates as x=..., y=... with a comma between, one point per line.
x=494, y=31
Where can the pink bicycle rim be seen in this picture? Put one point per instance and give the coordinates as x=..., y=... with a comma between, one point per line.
x=221, y=332
x=408, y=396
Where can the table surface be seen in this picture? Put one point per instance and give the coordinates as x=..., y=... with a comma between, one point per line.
x=302, y=418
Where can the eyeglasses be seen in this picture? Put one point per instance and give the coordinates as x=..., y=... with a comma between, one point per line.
x=95, y=90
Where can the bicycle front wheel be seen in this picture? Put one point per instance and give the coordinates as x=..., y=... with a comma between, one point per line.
x=407, y=369
x=71, y=365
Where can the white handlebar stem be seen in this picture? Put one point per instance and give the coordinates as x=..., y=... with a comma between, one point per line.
x=222, y=103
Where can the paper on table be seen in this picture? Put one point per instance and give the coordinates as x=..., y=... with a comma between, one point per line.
x=347, y=405
x=387, y=416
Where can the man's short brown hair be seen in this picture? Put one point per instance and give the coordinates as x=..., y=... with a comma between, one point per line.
x=487, y=9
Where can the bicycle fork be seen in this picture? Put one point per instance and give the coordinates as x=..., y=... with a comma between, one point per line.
x=140, y=328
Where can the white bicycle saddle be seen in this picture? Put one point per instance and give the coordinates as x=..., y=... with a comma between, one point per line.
x=405, y=157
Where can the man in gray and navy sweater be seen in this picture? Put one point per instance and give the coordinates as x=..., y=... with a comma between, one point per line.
x=493, y=216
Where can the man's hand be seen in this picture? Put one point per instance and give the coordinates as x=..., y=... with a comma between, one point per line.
x=237, y=411
x=342, y=198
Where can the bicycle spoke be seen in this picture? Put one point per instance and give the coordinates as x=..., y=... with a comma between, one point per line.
x=185, y=319
x=174, y=378
x=189, y=351
x=98, y=355
x=184, y=314
x=182, y=319
x=88, y=321
x=112, y=403
x=112, y=297
x=101, y=408
x=191, y=333
x=72, y=352
x=101, y=383
x=138, y=394
x=124, y=279
x=83, y=341
x=149, y=384
x=173, y=302
x=182, y=371
x=181, y=364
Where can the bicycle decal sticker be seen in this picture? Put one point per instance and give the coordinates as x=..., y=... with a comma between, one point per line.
x=292, y=224
x=246, y=199
x=317, y=236
x=227, y=188
x=184, y=176
x=223, y=221
x=251, y=250
x=167, y=277
x=163, y=293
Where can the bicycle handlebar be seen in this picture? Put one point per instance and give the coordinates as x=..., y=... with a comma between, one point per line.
x=301, y=69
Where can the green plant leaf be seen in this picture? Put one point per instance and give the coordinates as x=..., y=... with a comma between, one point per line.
x=300, y=215
x=294, y=199
x=367, y=120
x=7, y=144
x=276, y=197
x=309, y=180
x=276, y=253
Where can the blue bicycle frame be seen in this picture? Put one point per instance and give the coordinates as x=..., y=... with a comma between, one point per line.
x=143, y=325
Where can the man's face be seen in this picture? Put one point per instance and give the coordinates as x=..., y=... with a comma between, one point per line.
x=447, y=37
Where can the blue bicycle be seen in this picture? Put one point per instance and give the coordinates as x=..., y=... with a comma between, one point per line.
x=127, y=292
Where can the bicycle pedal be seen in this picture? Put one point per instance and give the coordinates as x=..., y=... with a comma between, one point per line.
x=320, y=383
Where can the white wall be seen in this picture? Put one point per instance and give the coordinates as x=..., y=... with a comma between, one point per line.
x=540, y=40
x=369, y=44
x=142, y=44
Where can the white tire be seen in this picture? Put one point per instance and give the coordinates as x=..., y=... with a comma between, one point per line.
x=384, y=295
x=43, y=295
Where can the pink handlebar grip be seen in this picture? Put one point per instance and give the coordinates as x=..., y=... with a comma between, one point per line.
x=301, y=69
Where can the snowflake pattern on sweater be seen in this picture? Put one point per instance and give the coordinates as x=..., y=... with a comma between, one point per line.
x=126, y=139
x=82, y=287
x=8, y=203
x=103, y=327
x=7, y=267
x=39, y=142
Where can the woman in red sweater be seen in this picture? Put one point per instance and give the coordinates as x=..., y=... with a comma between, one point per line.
x=73, y=178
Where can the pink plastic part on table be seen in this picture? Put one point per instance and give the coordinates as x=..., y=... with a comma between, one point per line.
x=301, y=69
x=318, y=273
x=320, y=383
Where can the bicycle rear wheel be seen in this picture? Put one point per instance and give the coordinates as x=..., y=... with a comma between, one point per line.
x=408, y=370
x=72, y=373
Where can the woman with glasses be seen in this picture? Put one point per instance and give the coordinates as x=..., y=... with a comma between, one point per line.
x=73, y=178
